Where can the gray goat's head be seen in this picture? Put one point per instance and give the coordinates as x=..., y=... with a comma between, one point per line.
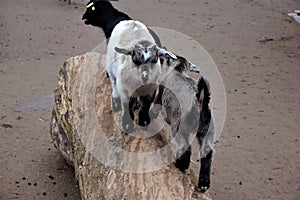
x=182, y=64
x=145, y=57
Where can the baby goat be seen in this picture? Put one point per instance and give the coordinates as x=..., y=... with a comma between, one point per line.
x=134, y=67
x=134, y=39
x=186, y=103
x=102, y=14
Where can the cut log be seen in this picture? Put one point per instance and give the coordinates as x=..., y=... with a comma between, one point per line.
x=110, y=164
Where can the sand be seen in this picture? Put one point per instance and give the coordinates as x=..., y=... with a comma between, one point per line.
x=255, y=45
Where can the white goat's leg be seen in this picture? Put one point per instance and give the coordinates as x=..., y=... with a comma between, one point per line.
x=127, y=114
x=115, y=100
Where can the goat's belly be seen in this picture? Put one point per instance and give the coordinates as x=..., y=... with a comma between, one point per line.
x=143, y=90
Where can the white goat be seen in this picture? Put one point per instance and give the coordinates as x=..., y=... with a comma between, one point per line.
x=134, y=69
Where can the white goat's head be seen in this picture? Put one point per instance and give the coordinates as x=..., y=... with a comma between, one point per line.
x=145, y=57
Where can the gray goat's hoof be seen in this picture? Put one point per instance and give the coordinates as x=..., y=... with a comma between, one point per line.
x=203, y=185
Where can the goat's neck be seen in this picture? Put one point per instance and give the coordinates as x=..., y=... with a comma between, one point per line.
x=113, y=21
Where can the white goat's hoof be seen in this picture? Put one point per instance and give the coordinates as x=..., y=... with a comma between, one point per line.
x=116, y=104
x=128, y=128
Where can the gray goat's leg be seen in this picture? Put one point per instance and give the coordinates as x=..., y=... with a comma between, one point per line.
x=206, y=150
x=205, y=134
x=183, y=147
x=204, y=176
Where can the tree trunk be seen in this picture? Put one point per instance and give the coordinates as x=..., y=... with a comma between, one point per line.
x=108, y=163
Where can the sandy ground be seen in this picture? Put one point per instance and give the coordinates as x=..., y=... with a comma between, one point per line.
x=254, y=43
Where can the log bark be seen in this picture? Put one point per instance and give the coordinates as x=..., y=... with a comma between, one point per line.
x=103, y=170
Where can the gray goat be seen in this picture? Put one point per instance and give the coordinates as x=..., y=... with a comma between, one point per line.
x=186, y=103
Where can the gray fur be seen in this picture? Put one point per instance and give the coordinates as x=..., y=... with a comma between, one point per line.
x=186, y=103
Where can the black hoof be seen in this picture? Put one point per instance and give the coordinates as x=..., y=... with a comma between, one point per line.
x=204, y=183
x=183, y=163
x=116, y=104
x=204, y=176
x=144, y=121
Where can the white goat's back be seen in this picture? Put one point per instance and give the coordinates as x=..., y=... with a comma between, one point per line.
x=126, y=33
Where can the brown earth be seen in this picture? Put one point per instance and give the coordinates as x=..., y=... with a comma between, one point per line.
x=254, y=43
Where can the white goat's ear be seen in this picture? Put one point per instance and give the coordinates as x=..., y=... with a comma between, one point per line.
x=194, y=68
x=165, y=54
x=153, y=48
x=126, y=50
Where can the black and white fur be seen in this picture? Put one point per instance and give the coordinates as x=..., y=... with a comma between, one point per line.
x=135, y=40
x=186, y=103
x=102, y=14
x=134, y=67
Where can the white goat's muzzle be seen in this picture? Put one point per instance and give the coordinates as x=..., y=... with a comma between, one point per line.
x=145, y=76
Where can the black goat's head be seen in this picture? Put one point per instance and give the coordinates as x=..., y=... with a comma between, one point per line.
x=97, y=12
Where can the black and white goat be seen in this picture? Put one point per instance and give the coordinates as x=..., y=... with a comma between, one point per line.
x=102, y=14
x=186, y=104
x=133, y=60
x=134, y=68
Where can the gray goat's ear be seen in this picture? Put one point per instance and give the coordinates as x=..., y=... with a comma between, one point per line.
x=126, y=50
x=194, y=68
x=166, y=54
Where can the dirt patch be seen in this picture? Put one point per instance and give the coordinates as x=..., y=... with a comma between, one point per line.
x=257, y=156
